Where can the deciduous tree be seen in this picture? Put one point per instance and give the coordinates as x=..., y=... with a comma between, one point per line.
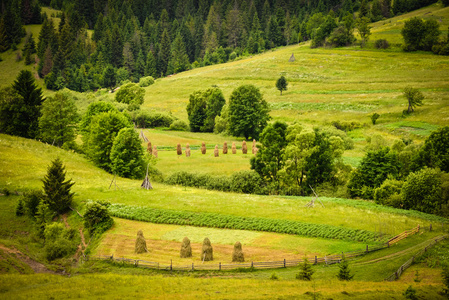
x=414, y=98
x=281, y=84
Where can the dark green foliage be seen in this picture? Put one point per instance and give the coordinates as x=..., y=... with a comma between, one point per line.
x=410, y=293
x=20, y=107
x=163, y=216
x=20, y=209
x=109, y=77
x=414, y=98
x=93, y=109
x=306, y=271
x=58, y=241
x=31, y=200
x=344, y=273
x=145, y=119
x=381, y=44
x=43, y=217
x=57, y=190
x=422, y=191
x=389, y=193
x=127, y=155
x=203, y=107
x=247, y=182
x=102, y=131
x=59, y=119
x=179, y=125
x=445, y=275
x=96, y=218
x=374, y=168
x=281, y=84
x=419, y=34
x=434, y=153
x=248, y=112
x=374, y=118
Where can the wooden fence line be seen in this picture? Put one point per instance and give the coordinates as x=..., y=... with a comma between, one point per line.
x=409, y=262
x=328, y=259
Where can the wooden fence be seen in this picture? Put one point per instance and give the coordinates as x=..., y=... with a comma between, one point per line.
x=328, y=259
x=409, y=262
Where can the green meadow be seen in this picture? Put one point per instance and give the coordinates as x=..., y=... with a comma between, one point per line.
x=325, y=85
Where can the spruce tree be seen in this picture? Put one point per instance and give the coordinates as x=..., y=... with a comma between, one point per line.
x=305, y=272
x=150, y=66
x=164, y=53
x=344, y=272
x=57, y=191
x=4, y=40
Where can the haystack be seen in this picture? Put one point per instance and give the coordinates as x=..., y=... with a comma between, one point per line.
x=255, y=150
x=141, y=244
x=187, y=150
x=216, y=151
x=225, y=148
x=179, y=149
x=203, y=148
x=149, y=148
x=186, y=249
x=292, y=58
x=234, y=148
x=237, y=254
x=207, y=251
x=254, y=144
x=155, y=151
x=244, y=148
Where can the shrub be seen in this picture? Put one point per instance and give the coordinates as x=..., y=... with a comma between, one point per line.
x=20, y=208
x=388, y=188
x=96, y=218
x=179, y=125
x=247, y=182
x=146, y=119
x=305, y=272
x=130, y=93
x=58, y=242
x=410, y=293
x=31, y=200
x=374, y=118
x=381, y=44
x=146, y=81
x=344, y=272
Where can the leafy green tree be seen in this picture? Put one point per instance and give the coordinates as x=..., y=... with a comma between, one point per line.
x=374, y=118
x=434, y=153
x=414, y=98
x=93, y=109
x=103, y=129
x=203, y=107
x=281, y=84
x=362, y=25
x=97, y=218
x=419, y=34
x=57, y=190
x=305, y=271
x=20, y=107
x=422, y=191
x=269, y=159
x=344, y=273
x=248, y=112
x=196, y=111
x=127, y=154
x=131, y=94
x=58, y=121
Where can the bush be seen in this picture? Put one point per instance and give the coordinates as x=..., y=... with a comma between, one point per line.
x=31, y=200
x=179, y=125
x=247, y=182
x=96, y=218
x=58, y=241
x=146, y=81
x=388, y=188
x=410, y=293
x=146, y=119
x=381, y=44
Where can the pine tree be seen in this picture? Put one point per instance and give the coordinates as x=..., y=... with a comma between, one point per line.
x=43, y=217
x=179, y=61
x=57, y=191
x=306, y=271
x=150, y=65
x=344, y=272
x=4, y=39
x=164, y=53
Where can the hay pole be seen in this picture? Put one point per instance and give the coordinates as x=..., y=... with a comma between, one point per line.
x=312, y=203
x=146, y=184
x=115, y=183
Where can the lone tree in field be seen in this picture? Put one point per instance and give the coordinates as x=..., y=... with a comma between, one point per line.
x=186, y=249
x=56, y=189
x=305, y=271
x=141, y=244
x=237, y=254
x=281, y=84
x=248, y=112
x=344, y=272
x=414, y=98
x=207, y=251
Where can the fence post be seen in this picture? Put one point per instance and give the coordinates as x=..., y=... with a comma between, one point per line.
x=366, y=248
x=316, y=260
x=252, y=264
x=284, y=263
x=193, y=268
x=430, y=229
x=396, y=274
x=136, y=263
x=219, y=266
x=388, y=244
x=171, y=264
x=418, y=227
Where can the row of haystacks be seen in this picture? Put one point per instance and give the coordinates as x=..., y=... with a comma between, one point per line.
x=153, y=150
x=186, y=249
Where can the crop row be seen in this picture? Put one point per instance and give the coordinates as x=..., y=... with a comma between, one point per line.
x=163, y=216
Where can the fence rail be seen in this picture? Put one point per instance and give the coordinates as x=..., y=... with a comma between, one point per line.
x=409, y=262
x=328, y=259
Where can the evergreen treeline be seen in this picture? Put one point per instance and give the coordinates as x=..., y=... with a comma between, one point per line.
x=132, y=39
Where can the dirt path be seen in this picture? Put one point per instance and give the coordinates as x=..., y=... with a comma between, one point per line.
x=34, y=265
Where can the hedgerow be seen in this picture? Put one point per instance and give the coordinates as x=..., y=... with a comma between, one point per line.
x=163, y=216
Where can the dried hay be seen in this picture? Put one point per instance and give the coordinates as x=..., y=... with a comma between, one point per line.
x=187, y=150
x=292, y=58
x=141, y=244
x=179, y=149
x=244, y=148
x=255, y=150
x=149, y=148
x=216, y=151
x=237, y=254
x=186, y=249
x=155, y=151
x=234, y=148
x=207, y=251
x=203, y=148
x=225, y=148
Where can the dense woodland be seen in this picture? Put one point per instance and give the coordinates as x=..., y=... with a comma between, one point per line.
x=132, y=39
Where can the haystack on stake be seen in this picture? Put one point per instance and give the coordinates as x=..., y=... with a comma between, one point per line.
x=234, y=148
x=186, y=249
x=149, y=148
x=292, y=58
x=255, y=150
x=146, y=184
x=225, y=148
x=179, y=149
x=141, y=244
x=155, y=151
x=244, y=148
x=187, y=150
x=237, y=254
x=203, y=148
x=207, y=251
x=254, y=145
x=216, y=151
